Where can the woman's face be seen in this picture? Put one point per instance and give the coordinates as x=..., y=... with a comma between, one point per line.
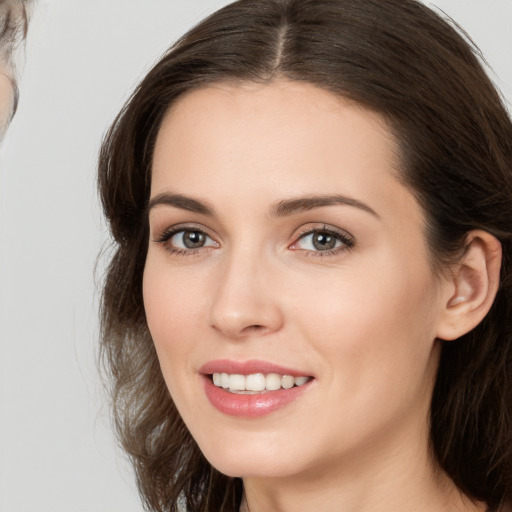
x=284, y=250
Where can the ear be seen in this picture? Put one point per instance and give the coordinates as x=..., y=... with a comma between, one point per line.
x=471, y=287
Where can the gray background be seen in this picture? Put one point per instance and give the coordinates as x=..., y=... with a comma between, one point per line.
x=83, y=58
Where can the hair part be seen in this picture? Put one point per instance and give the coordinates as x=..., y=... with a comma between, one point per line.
x=403, y=61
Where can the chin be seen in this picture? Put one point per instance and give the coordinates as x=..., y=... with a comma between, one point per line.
x=257, y=459
x=252, y=469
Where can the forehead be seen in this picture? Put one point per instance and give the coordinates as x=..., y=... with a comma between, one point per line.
x=281, y=130
x=300, y=100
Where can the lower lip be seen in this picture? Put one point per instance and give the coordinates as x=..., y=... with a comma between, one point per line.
x=251, y=406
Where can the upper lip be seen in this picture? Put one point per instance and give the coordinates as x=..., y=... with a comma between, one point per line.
x=248, y=367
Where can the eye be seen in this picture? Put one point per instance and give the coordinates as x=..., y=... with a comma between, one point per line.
x=182, y=240
x=323, y=240
x=190, y=239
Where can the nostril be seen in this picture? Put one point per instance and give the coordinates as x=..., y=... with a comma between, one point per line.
x=255, y=327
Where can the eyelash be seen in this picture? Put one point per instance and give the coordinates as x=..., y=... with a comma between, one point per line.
x=346, y=240
x=166, y=236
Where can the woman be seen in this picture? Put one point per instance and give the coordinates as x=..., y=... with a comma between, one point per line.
x=308, y=307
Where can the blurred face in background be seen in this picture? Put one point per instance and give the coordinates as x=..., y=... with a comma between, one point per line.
x=14, y=16
x=6, y=98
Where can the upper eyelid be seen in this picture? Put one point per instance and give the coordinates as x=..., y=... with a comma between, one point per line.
x=182, y=226
x=305, y=230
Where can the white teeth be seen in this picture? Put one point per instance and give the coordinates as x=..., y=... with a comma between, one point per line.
x=256, y=382
x=273, y=382
x=236, y=382
x=299, y=381
x=287, y=381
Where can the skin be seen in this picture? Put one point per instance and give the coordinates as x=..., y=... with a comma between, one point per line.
x=362, y=320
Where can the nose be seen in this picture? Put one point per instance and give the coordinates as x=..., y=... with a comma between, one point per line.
x=246, y=300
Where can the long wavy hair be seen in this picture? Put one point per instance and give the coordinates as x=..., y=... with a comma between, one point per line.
x=425, y=77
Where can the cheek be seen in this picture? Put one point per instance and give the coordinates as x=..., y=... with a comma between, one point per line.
x=172, y=300
x=372, y=335
x=375, y=323
x=172, y=312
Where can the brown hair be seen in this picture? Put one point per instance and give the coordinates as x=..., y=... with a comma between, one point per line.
x=403, y=61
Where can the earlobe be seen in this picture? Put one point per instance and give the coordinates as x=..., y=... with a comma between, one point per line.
x=472, y=286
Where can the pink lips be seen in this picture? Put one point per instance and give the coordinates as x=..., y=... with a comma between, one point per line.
x=249, y=406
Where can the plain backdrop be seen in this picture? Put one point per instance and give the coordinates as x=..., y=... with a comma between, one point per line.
x=83, y=57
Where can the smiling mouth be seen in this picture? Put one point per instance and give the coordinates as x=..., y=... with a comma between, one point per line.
x=256, y=383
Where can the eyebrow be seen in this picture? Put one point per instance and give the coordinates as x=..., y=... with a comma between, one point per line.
x=282, y=208
x=181, y=201
x=302, y=204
